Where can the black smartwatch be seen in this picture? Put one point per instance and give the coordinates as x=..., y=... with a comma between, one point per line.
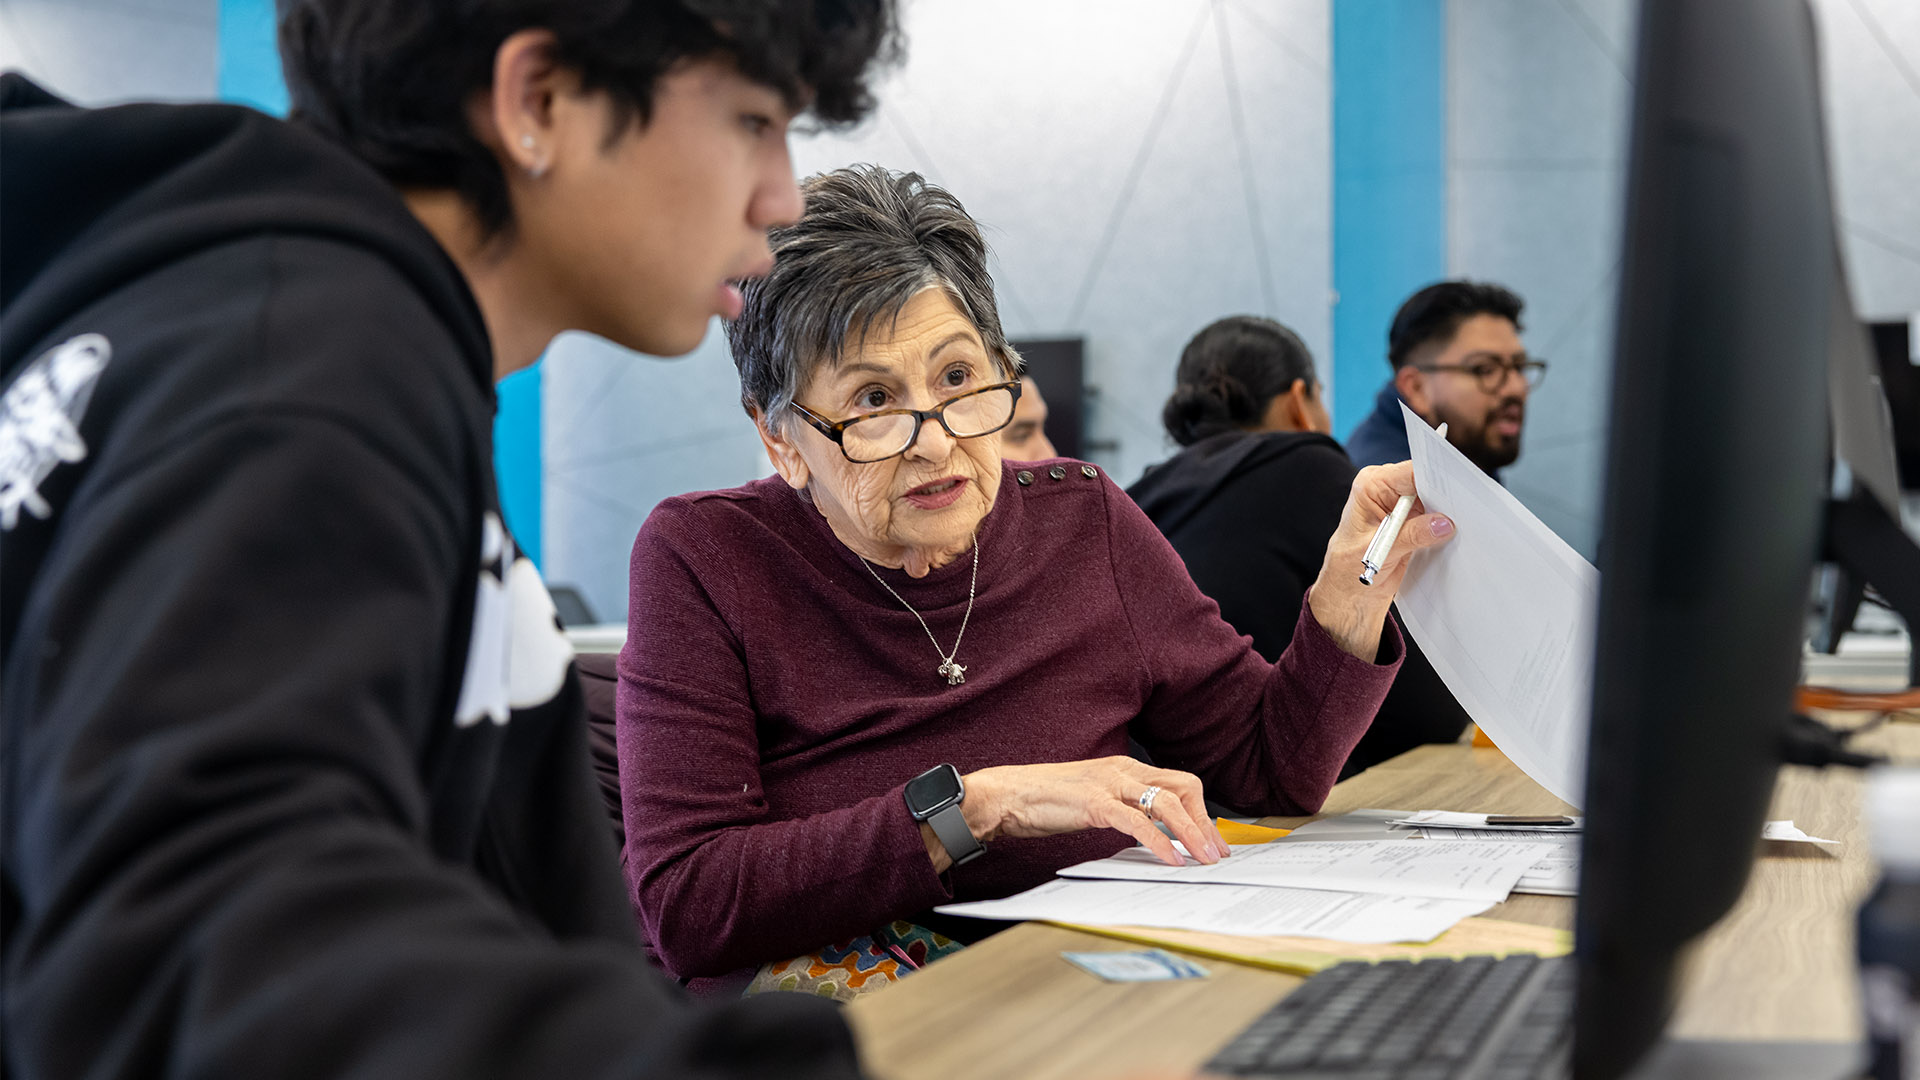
x=934, y=797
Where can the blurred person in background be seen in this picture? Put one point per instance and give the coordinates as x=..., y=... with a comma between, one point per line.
x=1457, y=359
x=1026, y=438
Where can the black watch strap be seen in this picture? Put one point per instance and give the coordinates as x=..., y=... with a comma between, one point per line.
x=950, y=825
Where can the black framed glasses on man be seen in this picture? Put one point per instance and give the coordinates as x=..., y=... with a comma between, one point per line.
x=878, y=436
x=1491, y=371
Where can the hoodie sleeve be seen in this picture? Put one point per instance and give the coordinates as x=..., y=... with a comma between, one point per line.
x=216, y=832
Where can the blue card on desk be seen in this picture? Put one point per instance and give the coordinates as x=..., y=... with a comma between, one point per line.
x=1144, y=965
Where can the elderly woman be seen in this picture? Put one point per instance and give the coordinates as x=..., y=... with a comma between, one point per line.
x=901, y=673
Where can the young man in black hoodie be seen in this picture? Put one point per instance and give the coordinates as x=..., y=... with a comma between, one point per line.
x=295, y=781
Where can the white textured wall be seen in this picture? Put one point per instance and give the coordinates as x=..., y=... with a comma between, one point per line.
x=102, y=51
x=1870, y=50
x=1539, y=102
x=1097, y=142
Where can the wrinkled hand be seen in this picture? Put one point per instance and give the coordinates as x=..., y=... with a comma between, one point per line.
x=1069, y=796
x=1352, y=613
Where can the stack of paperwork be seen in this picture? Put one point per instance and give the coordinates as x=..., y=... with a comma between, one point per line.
x=1370, y=891
x=1380, y=877
x=1558, y=871
x=1473, y=870
x=1255, y=910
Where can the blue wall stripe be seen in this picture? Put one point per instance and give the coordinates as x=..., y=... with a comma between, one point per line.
x=516, y=456
x=249, y=59
x=1389, y=181
x=250, y=75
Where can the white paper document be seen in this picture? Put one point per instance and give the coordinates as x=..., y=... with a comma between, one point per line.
x=1505, y=614
x=1249, y=910
x=1555, y=873
x=1454, y=825
x=1454, y=819
x=1484, y=871
x=1791, y=833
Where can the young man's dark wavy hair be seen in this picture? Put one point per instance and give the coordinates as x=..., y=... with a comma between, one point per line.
x=391, y=79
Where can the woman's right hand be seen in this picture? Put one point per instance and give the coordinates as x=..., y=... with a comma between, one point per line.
x=1104, y=793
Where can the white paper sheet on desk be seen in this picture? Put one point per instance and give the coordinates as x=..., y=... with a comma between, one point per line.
x=1230, y=909
x=1450, y=825
x=1454, y=819
x=1505, y=615
x=1790, y=833
x=1555, y=873
x=1477, y=870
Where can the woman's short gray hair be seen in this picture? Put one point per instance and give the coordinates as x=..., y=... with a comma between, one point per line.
x=869, y=240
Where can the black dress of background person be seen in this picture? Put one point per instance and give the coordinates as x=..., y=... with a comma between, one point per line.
x=1251, y=500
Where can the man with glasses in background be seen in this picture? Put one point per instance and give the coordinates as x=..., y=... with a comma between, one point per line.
x=1457, y=359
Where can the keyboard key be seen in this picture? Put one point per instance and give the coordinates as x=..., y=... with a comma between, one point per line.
x=1405, y=1021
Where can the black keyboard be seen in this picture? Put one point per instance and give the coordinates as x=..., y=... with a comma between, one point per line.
x=1479, y=1018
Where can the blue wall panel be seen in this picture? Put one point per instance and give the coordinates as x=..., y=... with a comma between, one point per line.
x=1389, y=181
x=249, y=60
x=516, y=457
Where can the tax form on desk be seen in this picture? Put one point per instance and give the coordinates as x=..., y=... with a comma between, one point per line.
x=1483, y=870
x=1505, y=614
x=1555, y=873
x=1252, y=910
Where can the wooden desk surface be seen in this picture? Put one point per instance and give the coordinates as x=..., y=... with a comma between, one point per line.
x=1779, y=966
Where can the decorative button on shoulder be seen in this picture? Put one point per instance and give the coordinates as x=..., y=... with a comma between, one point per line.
x=1089, y=471
x=1025, y=476
x=1058, y=472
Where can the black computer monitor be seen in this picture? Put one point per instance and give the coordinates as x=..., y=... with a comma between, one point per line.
x=1865, y=440
x=1899, y=357
x=1058, y=367
x=1716, y=483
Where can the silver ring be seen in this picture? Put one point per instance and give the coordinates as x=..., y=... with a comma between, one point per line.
x=1146, y=800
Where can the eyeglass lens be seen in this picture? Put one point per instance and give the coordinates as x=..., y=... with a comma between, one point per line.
x=1493, y=373
x=968, y=416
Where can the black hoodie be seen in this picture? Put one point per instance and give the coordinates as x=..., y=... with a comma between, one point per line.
x=295, y=776
x=1250, y=514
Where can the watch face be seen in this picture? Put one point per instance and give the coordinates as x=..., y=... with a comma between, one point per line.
x=927, y=791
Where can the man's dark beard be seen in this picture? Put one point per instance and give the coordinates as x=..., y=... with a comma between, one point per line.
x=1486, y=457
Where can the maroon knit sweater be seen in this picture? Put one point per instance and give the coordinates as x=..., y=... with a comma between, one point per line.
x=774, y=700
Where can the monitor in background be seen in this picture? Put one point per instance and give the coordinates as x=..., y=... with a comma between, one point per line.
x=1865, y=438
x=1058, y=365
x=1867, y=489
x=1899, y=352
x=571, y=607
x=1717, y=475
x=1874, y=408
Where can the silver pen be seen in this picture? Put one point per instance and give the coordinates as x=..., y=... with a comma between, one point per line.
x=1383, y=539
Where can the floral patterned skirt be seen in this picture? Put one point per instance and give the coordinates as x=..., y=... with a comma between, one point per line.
x=851, y=968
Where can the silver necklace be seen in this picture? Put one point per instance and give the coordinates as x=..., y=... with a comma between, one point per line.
x=952, y=672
